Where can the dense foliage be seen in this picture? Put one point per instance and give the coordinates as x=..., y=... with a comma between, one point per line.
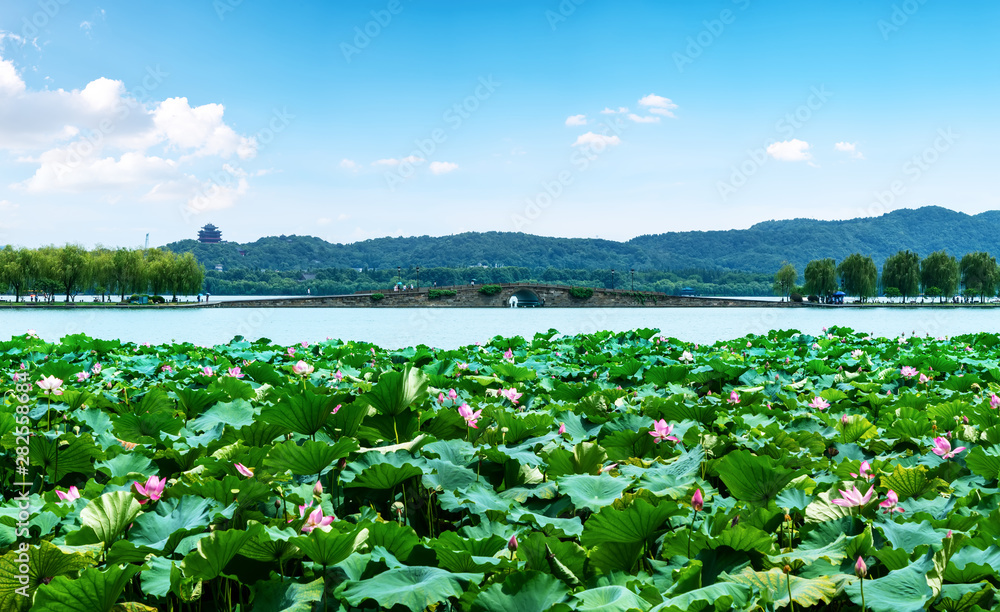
x=71, y=269
x=610, y=472
x=762, y=248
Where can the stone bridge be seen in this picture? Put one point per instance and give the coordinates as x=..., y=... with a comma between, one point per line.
x=471, y=296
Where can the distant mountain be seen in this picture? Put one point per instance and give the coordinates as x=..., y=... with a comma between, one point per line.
x=761, y=248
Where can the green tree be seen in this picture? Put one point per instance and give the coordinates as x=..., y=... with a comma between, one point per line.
x=784, y=280
x=71, y=269
x=821, y=277
x=127, y=275
x=902, y=272
x=102, y=271
x=939, y=270
x=979, y=273
x=858, y=276
x=46, y=278
x=186, y=275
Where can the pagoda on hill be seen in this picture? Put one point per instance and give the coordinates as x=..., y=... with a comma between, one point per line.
x=209, y=235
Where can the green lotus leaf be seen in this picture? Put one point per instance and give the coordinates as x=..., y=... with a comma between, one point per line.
x=287, y=596
x=162, y=577
x=609, y=599
x=170, y=521
x=639, y=522
x=329, y=547
x=396, y=391
x=302, y=411
x=271, y=544
x=61, y=457
x=616, y=556
x=397, y=539
x=902, y=590
x=216, y=551
x=196, y=401
x=593, y=492
x=753, y=478
x=833, y=552
x=414, y=588
x=532, y=550
x=972, y=564
x=522, y=591
x=913, y=482
x=985, y=462
x=127, y=463
x=309, y=457
x=719, y=596
x=804, y=591
x=585, y=458
x=238, y=413
x=45, y=561
x=106, y=517
x=93, y=591
x=382, y=470
x=908, y=536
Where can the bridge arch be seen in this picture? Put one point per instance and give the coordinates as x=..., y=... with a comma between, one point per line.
x=524, y=298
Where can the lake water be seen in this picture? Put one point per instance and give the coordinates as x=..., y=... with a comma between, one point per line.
x=454, y=327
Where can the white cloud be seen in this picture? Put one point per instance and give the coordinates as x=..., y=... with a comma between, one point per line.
x=443, y=167
x=101, y=138
x=217, y=195
x=658, y=105
x=790, y=150
x=577, y=120
x=409, y=159
x=850, y=148
x=640, y=119
x=611, y=111
x=86, y=25
x=349, y=164
x=596, y=140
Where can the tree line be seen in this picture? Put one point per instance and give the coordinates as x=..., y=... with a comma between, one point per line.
x=904, y=275
x=72, y=269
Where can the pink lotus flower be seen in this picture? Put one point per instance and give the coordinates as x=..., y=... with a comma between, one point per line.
x=242, y=469
x=318, y=488
x=463, y=366
x=452, y=394
x=440, y=398
x=942, y=448
x=908, y=371
x=302, y=368
x=291, y=352
x=316, y=519
x=819, y=403
x=167, y=369
x=304, y=344
x=853, y=497
x=16, y=377
x=734, y=398
x=82, y=376
x=470, y=417
x=71, y=494
x=857, y=353
x=845, y=419
x=994, y=401
x=686, y=357
x=697, y=500
x=234, y=372
x=562, y=428
x=153, y=489
x=924, y=379
x=661, y=431
x=207, y=371
x=511, y=394
x=891, y=499
x=860, y=569
x=336, y=409
x=51, y=383
x=609, y=467
x=863, y=472
x=512, y=543
x=338, y=376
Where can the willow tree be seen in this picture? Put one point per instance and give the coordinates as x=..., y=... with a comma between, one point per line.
x=902, y=273
x=979, y=273
x=821, y=277
x=858, y=276
x=784, y=280
x=939, y=274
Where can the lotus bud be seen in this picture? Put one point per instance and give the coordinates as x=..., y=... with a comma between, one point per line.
x=397, y=507
x=788, y=517
x=787, y=569
x=697, y=501
x=735, y=521
x=318, y=489
x=277, y=504
x=342, y=463
x=504, y=430
x=512, y=543
x=860, y=569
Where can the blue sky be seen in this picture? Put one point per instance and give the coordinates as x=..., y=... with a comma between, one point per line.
x=357, y=120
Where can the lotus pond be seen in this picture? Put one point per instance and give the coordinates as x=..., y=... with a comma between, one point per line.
x=611, y=471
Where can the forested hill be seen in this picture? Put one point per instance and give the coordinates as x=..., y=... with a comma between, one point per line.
x=761, y=248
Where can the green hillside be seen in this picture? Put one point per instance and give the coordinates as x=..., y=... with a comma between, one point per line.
x=762, y=248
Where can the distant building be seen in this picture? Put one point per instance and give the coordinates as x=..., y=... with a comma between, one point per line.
x=218, y=267
x=209, y=235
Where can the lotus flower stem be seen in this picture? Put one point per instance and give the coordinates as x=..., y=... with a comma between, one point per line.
x=690, y=530
x=788, y=581
x=862, y=594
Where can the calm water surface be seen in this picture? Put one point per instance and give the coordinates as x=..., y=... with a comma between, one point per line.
x=454, y=327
